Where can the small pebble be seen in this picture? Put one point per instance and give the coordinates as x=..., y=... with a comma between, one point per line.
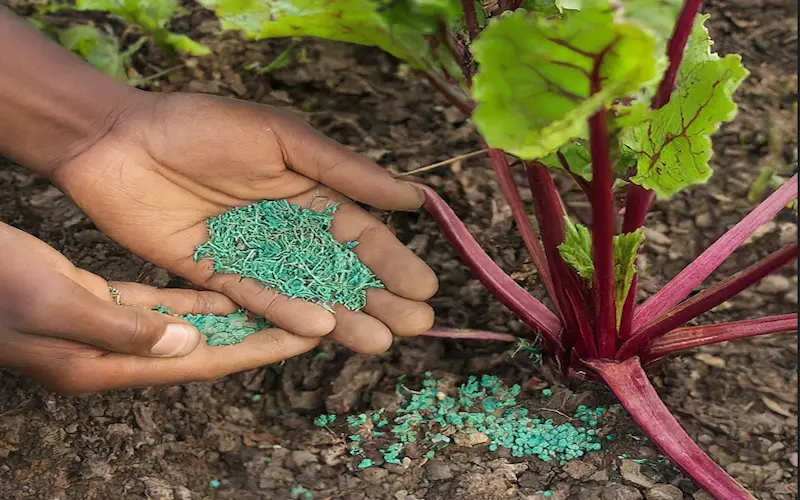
x=703, y=220
x=774, y=284
x=664, y=492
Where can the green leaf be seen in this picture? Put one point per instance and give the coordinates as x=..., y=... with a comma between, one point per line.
x=626, y=248
x=97, y=48
x=151, y=15
x=284, y=59
x=577, y=249
x=533, y=87
x=577, y=252
x=548, y=8
x=183, y=43
x=577, y=157
x=398, y=27
x=673, y=145
x=38, y=24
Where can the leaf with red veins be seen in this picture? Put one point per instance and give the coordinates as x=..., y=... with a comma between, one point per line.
x=533, y=86
x=673, y=145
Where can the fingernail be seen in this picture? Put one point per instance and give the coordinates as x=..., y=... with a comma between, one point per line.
x=420, y=193
x=178, y=340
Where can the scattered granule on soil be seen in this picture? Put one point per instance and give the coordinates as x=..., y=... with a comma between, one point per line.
x=482, y=411
x=300, y=493
x=289, y=249
x=223, y=330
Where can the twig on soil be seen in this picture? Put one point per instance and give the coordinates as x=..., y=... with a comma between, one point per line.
x=17, y=408
x=444, y=163
x=461, y=334
x=156, y=76
x=557, y=411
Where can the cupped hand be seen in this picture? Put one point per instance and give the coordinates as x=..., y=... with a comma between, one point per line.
x=61, y=325
x=171, y=161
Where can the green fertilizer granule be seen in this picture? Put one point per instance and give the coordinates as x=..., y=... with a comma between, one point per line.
x=223, y=330
x=482, y=410
x=289, y=249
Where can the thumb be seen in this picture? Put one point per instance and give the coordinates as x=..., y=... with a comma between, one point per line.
x=124, y=329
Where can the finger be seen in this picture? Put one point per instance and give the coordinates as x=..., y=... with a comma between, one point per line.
x=84, y=317
x=405, y=318
x=205, y=363
x=360, y=332
x=400, y=270
x=310, y=153
x=179, y=301
x=293, y=315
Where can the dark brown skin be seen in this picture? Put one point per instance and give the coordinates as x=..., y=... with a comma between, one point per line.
x=149, y=169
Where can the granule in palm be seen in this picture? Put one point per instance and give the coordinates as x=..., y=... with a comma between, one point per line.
x=291, y=250
x=222, y=330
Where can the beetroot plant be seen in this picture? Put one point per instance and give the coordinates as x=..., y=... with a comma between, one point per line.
x=620, y=95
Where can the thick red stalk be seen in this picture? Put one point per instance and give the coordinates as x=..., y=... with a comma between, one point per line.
x=637, y=204
x=470, y=18
x=604, y=221
x=630, y=384
x=639, y=199
x=701, y=268
x=510, y=192
x=550, y=214
x=461, y=334
x=708, y=299
x=696, y=336
x=529, y=310
x=675, y=50
x=603, y=217
x=628, y=308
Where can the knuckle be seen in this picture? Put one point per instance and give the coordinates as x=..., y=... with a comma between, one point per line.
x=277, y=346
x=272, y=305
x=140, y=334
x=329, y=168
x=370, y=230
x=204, y=303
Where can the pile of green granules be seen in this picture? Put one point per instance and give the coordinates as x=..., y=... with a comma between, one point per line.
x=433, y=420
x=289, y=249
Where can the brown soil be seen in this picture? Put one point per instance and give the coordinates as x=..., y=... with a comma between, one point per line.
x=738, y=400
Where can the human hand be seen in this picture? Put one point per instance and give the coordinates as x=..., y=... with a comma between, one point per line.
x=171, y=161
x=60, y=325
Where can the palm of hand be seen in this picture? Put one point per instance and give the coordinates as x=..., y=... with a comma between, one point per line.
x=153, y=181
